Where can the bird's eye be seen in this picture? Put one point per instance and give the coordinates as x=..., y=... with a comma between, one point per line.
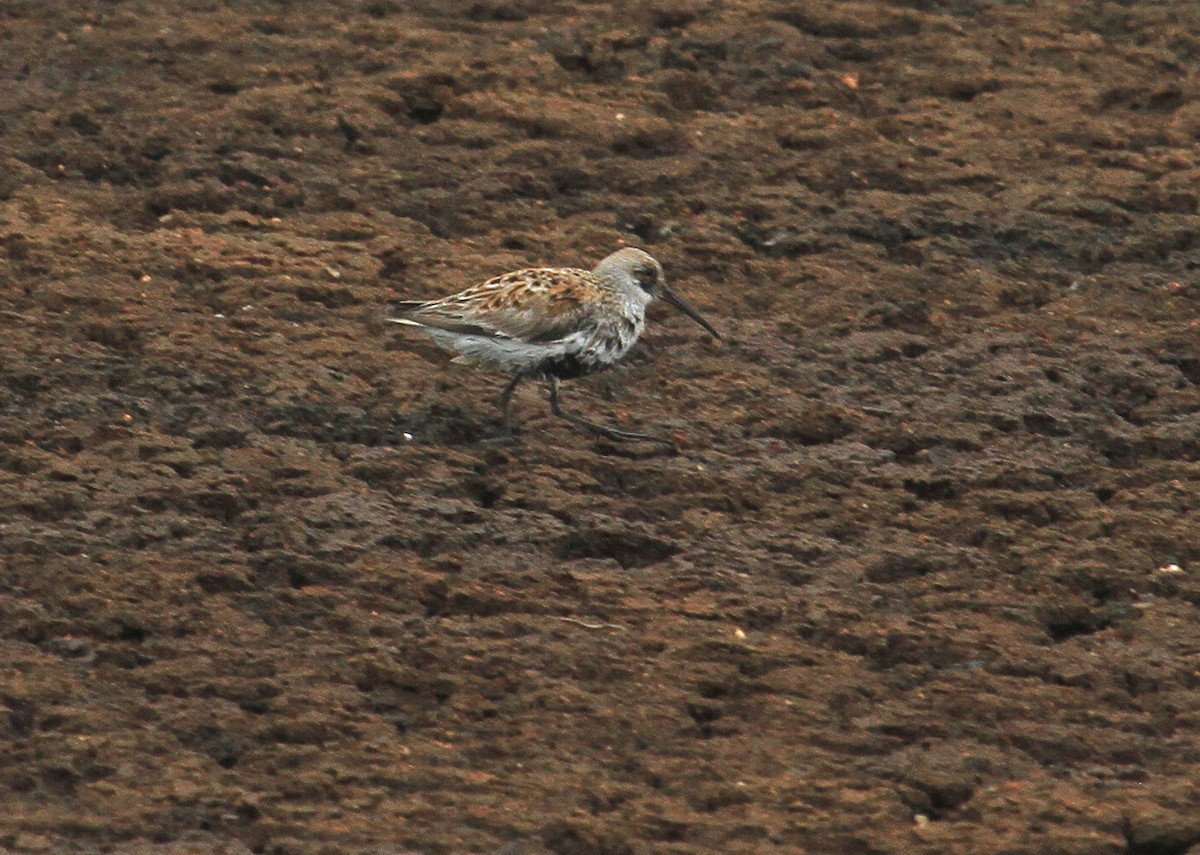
x=646, y=276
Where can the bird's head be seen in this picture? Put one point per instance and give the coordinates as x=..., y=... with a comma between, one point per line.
x=634, y=267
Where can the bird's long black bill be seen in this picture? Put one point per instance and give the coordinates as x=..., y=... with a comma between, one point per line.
x=681, y=304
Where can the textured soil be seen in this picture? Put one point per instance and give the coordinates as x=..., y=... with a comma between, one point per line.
x=920, y=575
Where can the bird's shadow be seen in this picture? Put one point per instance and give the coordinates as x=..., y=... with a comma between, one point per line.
x=567, y=437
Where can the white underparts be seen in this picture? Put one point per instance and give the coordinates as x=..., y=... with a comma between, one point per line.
x=596, y=347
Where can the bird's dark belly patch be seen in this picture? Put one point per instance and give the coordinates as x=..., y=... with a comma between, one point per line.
x=565, y=367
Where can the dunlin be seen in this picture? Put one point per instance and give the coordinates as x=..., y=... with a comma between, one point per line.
x=550, y=323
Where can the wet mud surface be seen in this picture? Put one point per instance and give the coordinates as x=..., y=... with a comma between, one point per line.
x=920, y=575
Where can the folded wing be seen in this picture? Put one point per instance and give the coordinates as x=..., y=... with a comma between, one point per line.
x=536, y=306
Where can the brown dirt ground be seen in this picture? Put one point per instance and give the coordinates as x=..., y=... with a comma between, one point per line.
x=921, y=576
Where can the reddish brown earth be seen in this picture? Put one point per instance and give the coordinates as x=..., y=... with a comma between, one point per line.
x=922, y=574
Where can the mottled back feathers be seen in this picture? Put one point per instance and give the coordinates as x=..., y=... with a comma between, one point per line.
x=537, y=305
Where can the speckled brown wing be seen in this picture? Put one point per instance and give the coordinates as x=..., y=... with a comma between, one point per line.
x=538, y=305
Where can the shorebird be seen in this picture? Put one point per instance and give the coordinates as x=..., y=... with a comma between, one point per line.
x=550, y=323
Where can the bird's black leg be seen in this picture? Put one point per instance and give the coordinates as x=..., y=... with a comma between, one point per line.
x=611, y=433
x=506, y=400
